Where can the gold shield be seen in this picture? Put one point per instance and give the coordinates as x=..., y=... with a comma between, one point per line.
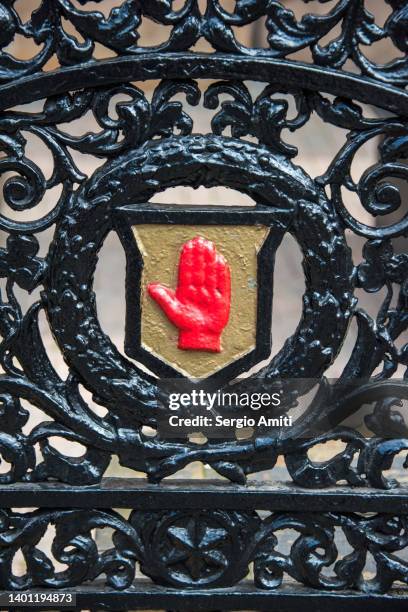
x=160, y=246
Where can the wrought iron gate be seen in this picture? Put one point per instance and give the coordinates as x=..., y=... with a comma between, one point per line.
x=196, y=540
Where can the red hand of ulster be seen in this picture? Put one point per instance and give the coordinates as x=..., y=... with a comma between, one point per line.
x=200, y=305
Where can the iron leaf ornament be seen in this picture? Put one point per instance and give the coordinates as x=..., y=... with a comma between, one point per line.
x=94, y=85
x=147, y=145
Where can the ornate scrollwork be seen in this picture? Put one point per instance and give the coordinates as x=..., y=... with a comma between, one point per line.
x=146, y=144
x=203, y=549
x=119, y=32
x=286, y=34
x=264, y=118
x=149, y=145
x=161, y=128
x=315, y=549
x=137, y=121
x=74, y=545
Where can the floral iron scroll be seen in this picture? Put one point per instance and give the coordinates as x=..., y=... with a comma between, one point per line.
x=205, y=549
x=119, y=32
x=137, y=145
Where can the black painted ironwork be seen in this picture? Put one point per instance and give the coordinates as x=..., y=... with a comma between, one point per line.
x=146, y=147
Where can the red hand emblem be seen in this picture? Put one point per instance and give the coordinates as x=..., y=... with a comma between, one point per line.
x=200, y=305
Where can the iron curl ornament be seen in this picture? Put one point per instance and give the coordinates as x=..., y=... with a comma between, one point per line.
x=142, y=145
x=193, y=549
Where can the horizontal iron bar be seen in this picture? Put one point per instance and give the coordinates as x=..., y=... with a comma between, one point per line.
x=204, y=66
x=143, y=595
x=198, y=494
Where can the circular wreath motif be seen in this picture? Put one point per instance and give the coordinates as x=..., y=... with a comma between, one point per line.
x=210, y=161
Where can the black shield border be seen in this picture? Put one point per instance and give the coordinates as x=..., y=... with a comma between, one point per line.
x=130, y=215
